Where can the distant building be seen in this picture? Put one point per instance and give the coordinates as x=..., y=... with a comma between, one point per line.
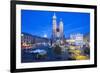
x=30, y=40
x=27, y=38
x=78, y=38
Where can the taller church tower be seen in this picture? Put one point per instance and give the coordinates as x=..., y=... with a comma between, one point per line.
x=54, y=25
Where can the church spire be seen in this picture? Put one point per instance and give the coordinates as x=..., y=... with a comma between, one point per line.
x=54, y=16
x=54, y=23
x=61, y=26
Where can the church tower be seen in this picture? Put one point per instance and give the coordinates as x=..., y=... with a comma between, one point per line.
x=57, y=30
x=61, y=28
x=54, y=25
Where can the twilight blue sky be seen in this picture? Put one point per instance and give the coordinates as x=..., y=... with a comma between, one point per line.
x=40, y=22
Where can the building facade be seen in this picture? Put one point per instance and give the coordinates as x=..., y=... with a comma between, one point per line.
x=28, y=40
x=78, y=38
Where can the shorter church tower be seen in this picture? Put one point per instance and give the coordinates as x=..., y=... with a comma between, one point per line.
x=61, y=28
